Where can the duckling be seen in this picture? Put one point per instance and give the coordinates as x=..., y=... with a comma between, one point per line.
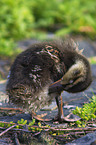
x=43, y=71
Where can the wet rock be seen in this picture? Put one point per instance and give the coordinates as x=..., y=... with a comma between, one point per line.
x=3, y=98
x=46, y=139
x=6, y=140
x=93, y=143
x=42, y=138
x=25, y=43
x=4, y=68
x=2, y=86
x=27, y=138
x=16, y=117
x=89, y=49
x=93, y=67
x=51, y=107
x=85, y=140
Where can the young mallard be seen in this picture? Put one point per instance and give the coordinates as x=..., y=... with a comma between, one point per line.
x=31, y=79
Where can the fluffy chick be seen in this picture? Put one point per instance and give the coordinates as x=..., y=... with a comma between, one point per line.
x=31, y=79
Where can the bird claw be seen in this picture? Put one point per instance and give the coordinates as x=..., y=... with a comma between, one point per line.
x=69, y=118
x=39, y=117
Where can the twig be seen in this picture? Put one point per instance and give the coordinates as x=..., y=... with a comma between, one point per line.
x=72, y=134
x=7, y=130
x=16, y=139
x=36, y=133
x=86, y=96
x=15, y=109
x=73, y=129
x=15, y=129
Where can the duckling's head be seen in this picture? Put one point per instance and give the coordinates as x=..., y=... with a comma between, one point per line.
x=76, y=79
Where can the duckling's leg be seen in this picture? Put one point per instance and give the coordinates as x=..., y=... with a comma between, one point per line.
x=60, y=116
x=59, y=102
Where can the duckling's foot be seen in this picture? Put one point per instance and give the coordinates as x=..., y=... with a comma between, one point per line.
x=69, y=118
x=39, y=117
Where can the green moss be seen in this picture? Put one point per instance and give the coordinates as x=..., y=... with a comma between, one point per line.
x=92, y=60
x=87, y=112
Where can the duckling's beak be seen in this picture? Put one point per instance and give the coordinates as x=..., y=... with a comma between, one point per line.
x=56, y=87
x=63, y=84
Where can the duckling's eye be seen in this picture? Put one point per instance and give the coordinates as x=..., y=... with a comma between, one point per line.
x=71, y=81
x=76, y=72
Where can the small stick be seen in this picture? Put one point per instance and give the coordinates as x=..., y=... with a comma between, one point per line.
x=36, y=133
x=73, y=129
x=7, y=130
x=16, y=109
x=14, y=129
